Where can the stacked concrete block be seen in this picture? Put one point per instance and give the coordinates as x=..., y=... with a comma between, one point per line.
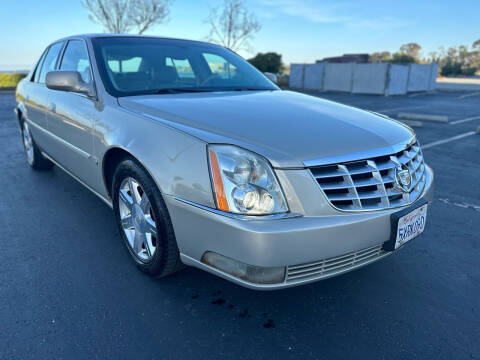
x=297, y=74
x=364, y=78
x=433, y=77
x=397, y=79
x=370, y=78
x=313, y=79
x=338, y=77
x=419, y=77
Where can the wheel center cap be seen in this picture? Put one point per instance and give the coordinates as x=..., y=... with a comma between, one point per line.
x=138, y=216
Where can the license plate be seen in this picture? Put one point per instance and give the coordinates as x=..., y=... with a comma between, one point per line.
x=411, y=225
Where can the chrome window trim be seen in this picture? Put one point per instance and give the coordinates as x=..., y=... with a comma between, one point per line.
x=361, y=155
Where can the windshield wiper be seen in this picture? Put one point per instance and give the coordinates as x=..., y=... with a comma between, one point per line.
x=180, y=90
x=197, y=90
x=252, y=89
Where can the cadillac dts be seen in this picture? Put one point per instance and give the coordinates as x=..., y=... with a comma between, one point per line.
x=206, y=162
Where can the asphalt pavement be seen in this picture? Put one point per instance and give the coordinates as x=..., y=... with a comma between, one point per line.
x=69, y=290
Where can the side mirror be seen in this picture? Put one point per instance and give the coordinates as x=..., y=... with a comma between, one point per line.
x=68, y=81
x=272, y=77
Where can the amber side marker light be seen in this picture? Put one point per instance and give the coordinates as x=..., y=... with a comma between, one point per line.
x=222, y=202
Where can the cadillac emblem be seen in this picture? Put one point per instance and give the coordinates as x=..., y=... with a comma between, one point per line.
x=403, y=179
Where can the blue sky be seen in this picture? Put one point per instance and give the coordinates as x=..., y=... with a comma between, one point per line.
x=301, y=30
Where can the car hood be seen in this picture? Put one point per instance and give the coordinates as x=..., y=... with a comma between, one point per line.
x=286, y=127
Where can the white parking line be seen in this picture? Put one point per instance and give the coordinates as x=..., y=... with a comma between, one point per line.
x=453, y=138
x=421, y=93
x=401, y=108
x=465, y=120
x=423, y=117
x=411, y=123
x=462, y=205
x=468, y=95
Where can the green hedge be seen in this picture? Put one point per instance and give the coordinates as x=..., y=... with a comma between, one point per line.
x=457, y=69
x=10, y=80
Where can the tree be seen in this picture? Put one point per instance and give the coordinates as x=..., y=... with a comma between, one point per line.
x=434, y=57
x=383, y=56
x=397, y=58
x=476, y=54
x=121, y=16
x=411, y=49
x=233, y=25
x=458, y=60
x=402, y=58
x=409, y=53
x=268, y=62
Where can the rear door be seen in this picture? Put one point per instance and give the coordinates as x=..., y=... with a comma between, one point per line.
x=36, y=100
x=72, y=117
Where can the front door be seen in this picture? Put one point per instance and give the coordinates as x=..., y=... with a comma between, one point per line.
x=72, y=118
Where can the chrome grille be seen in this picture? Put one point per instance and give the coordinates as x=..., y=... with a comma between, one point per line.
x=334, y=265
x=369, y=184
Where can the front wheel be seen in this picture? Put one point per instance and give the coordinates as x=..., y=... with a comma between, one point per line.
x=143, y=220
x=34, y=156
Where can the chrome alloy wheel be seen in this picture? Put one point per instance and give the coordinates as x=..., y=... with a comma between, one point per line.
x=28, y=143
x=138, y=221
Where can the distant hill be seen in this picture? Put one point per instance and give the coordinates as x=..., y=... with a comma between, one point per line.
x=10, y=80
x=14, y=71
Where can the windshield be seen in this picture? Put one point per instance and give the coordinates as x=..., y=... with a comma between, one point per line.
x=136, y=65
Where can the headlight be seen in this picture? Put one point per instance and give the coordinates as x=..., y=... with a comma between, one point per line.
x=244, y=182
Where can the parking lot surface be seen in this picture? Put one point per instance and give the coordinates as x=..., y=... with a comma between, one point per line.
x=69, y=290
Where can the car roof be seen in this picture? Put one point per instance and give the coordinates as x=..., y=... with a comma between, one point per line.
x=107, y=35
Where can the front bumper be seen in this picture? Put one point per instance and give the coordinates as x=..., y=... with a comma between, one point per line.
x=292, y=242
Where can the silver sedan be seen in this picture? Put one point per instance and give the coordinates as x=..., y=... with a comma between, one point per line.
x=207, y=163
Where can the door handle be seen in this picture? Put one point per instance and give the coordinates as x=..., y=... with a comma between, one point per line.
x=52, y=107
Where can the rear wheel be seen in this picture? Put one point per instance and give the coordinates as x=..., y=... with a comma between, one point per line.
x=143, y=220
x=34, y=156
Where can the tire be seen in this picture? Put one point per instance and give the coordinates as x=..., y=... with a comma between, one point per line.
x=35, y=159
x=143, y=220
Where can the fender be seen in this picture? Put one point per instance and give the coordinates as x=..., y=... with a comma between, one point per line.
x=176, y=161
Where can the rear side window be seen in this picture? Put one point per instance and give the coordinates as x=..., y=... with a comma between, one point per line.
x=75, y=58
x=36, y=75
x=50, y=61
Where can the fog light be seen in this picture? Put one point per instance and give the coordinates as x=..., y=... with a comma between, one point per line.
x=250, y=273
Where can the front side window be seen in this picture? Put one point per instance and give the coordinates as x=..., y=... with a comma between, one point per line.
x=50, y=61
x=75, y=58
x=142, y=65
